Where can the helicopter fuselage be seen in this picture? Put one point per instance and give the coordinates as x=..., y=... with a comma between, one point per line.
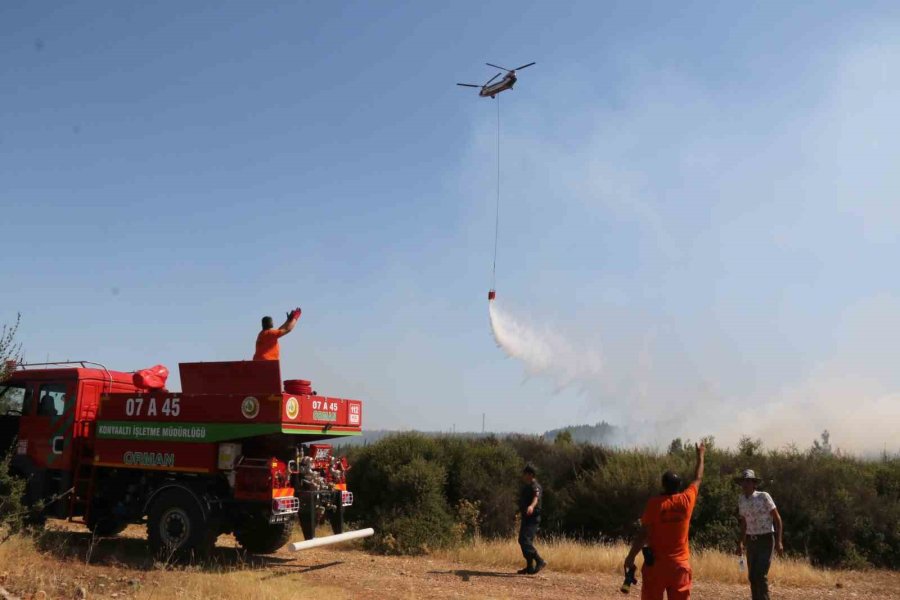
x=504, y=84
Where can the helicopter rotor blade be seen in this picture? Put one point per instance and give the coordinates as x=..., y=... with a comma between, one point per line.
x=492, y=78
x=469, y=85
x=523, y=66
x=497, y=66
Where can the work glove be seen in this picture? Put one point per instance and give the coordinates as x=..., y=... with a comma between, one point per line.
x=295, y=314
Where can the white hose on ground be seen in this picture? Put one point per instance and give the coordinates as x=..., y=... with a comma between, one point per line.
x=331, y=539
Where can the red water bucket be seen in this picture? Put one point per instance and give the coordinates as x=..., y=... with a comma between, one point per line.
x=301, y=387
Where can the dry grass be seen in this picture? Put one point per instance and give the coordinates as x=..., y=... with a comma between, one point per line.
x=577, y=557
x=119, y=568
x=26, y=569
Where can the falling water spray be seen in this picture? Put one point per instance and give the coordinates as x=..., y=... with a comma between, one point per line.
x=543, y=351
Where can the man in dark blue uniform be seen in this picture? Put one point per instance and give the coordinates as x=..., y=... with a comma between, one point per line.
x=530, y=498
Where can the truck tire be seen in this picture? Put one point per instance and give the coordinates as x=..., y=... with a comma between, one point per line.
x=258, y=536
x=177, y=527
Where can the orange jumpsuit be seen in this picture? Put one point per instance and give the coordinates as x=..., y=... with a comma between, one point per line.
x=668, y=519
x=267, y=344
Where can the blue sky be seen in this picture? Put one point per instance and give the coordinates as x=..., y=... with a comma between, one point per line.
x=706, y=194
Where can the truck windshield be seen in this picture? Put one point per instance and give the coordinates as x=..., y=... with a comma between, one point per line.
x=15, y=399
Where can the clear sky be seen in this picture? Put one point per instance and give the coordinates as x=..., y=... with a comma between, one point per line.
x=705, y=193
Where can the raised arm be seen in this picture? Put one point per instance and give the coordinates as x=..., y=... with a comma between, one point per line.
x=291, y=322
x=698, y=469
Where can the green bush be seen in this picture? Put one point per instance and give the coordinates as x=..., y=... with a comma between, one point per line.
x=483, y=472
x=403, y=481
x=421, y=492
x=13, y=511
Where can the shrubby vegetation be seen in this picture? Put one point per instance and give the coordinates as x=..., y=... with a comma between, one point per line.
x=10, y=352
x=12, y=489
x=427, y=492
x=423, y=492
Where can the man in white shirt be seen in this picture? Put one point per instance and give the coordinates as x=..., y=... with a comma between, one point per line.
x=761, y=532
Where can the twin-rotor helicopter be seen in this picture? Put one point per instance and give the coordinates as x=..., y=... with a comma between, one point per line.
x=490, y=89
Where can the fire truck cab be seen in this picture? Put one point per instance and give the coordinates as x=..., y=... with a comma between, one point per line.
x=39, y=408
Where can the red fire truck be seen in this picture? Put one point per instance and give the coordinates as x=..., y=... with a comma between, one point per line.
x=234, y=452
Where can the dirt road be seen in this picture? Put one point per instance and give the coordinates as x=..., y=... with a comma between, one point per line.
x=119, y=568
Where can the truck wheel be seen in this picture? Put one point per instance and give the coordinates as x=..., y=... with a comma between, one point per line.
x=258, y=536
x=177, y=528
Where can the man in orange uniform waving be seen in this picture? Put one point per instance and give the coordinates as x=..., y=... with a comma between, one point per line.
x=267, y=340
x=664, y=530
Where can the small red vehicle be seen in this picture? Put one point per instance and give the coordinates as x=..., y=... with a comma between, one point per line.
x=231, y=453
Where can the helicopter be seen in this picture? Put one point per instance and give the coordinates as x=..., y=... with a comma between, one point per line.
x=507, y=83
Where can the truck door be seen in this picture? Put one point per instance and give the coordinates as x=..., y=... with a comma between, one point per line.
x=15, y=399
x=48, y=426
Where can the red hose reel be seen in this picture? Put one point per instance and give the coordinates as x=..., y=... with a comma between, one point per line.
x=300, y=387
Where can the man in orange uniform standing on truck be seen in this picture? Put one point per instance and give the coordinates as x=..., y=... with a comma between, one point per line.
x=267, y=341
x=664, y=532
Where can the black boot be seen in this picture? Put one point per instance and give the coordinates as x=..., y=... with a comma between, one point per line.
x=540, y=564
x=528, y=570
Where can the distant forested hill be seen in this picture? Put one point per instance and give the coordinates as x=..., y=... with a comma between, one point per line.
x=600, y=434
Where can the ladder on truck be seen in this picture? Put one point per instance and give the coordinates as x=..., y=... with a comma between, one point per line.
x=84, y=472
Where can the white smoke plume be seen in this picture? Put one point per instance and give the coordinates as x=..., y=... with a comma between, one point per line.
x=653, y=391
x=544, y=352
